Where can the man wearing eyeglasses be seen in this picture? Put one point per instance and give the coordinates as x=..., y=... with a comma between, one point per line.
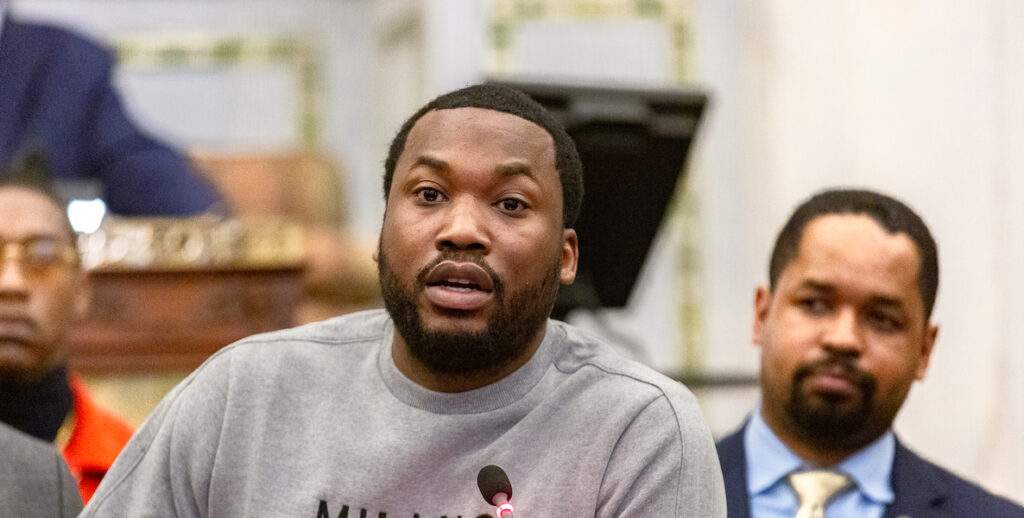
x=42, y=290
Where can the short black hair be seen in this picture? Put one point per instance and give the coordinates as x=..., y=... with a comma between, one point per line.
x=30, y=170
x=507, y=100
x=891, y=214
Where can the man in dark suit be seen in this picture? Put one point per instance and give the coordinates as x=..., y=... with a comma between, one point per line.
x=57, y=96
x=844, y=331
x=33, y=479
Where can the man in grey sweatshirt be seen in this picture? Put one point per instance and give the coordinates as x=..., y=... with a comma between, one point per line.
x=394, y=413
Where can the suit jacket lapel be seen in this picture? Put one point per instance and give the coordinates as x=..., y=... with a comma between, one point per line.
x=733, y=458
x=919, y=492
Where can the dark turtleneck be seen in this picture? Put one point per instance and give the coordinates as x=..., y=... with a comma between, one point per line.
x=37, y=408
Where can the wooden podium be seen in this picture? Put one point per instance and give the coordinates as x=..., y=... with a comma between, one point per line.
x=167, y=294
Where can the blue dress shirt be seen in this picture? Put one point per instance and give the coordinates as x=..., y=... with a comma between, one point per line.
x=769, y=461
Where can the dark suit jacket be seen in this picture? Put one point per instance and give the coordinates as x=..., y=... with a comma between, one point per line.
x=55, y=92
x=922, y=488
x=33, y=478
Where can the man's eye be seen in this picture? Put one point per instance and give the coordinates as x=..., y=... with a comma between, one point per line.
x=512, y=205
x=814, y=305
x=884, y=322
x=429, y=195
x=42, y=252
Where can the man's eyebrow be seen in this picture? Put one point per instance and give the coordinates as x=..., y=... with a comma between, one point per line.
x=506, y=170
x=515, y=169
x=877, y=300
x=818, y=286
x=430, y=162
x=888, y=302
x=34, y=236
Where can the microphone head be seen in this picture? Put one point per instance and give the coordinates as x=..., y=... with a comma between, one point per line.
x=492, y=480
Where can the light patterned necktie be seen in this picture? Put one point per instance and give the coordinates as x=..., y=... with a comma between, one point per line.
x=815, y=489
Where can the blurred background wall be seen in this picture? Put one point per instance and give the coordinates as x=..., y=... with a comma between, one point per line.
x=920, y=99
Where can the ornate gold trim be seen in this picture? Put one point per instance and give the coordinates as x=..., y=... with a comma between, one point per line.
x=202, y=243
x=505, y=15
x=205, y=51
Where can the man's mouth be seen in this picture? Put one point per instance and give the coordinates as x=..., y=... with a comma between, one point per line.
x=462, y=286
x=834, y=380
x=16, y=330
x=832, y=384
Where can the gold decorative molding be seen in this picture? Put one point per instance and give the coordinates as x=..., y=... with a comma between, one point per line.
x=200, y=243
x=506, y=15
x=205, y=51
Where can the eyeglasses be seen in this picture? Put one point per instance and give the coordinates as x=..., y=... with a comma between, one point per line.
x=39, y=255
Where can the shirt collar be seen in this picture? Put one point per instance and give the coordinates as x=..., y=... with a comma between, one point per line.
x=97, y=436
x=871, y=468
x=769, y=461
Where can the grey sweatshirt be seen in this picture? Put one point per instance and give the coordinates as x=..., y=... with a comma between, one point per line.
x=317, y=422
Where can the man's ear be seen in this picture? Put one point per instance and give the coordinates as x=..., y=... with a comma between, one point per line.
x=931, y=332
x=762, y=302
x=570, y=256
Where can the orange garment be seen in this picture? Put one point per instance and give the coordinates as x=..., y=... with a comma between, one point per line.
x=96, y=439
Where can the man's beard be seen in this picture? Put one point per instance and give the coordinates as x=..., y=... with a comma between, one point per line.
x=515, y=319
x=832, y=422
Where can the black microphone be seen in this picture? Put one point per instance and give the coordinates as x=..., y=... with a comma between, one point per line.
x=496, y=489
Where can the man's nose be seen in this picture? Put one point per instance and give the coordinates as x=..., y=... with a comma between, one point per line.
x=843, y=333
x=13, y=281
x=465, y=227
